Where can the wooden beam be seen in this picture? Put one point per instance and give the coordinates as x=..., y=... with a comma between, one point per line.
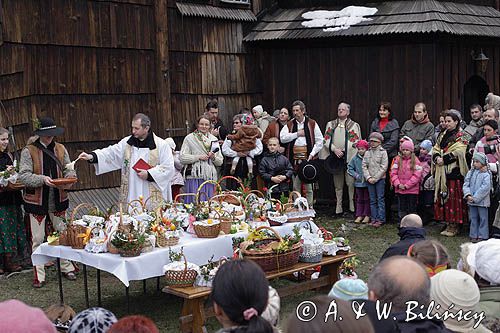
x=163, y=109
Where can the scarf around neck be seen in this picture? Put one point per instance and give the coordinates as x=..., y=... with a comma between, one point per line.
x=423, y=121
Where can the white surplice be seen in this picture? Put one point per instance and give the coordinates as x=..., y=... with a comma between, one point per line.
x=113, y=158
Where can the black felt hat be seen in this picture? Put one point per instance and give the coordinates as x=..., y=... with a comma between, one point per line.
x=48, y=128
x=308, y=171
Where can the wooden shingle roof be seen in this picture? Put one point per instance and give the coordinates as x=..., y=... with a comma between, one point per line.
x=395, y=17
x=201, y=10
x=103, y=198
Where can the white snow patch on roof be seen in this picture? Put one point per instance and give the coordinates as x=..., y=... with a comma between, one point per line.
x=334, y=20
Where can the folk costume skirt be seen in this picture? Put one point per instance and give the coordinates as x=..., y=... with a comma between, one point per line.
x=191, y=186
x=454, y=209
x=12, y=233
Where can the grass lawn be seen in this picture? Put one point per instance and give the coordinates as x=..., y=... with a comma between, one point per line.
x=367, y=242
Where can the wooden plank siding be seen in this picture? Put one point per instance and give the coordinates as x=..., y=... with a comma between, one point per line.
x=367, y=72
x=208, y=60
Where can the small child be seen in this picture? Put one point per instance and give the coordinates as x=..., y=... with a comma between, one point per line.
x=477, y=185
x=425, y=206
x=355, y=170
x=374, y=167
x=406, y=173
x=244, y=140
x=177, y=181
x=275, y=168
x=432, y=254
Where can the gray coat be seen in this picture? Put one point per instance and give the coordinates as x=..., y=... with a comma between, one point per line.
x=390, y=134
x=417, y=132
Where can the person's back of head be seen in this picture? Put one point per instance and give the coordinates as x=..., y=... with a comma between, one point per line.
x=325, y=320
x=17, y=317
x=432, y=254
x=397, y=280
x=240, y=295
x=92, y=320
x=411, y=221
x=134, y=324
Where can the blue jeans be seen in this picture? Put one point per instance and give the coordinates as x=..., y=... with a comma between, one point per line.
x=478, y=222
x=377, y=200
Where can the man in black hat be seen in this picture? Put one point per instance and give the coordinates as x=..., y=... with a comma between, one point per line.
x=41, y=162
x=305, y=141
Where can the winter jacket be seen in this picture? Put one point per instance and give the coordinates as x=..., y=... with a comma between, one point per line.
x=473, y=126
x=274, y=164
x=490, y=148
x=404, y=175
x=375, y=163
x=478, y=184
x=419, y=325
x=390, y=134
x=355, y=170
x=245, y=138
x=407, y=237
x=418, y=132
x=427, y=180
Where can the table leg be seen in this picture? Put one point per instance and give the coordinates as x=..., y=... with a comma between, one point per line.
x=144, y=286
x=86, y=286
x=99, y=301
x=127, y=295
x=332, y=271
x=158, y=283
x=59, y=277
x=196, y=308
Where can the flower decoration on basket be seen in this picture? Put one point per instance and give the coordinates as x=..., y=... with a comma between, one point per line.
x=342, y=245
x=9, y=175
x=271, y=251
x=180, y=274
x=130, y=237
x=208, y=271
x=348, y=267
x=297, y=209
x=53, y=238
x=166, y=232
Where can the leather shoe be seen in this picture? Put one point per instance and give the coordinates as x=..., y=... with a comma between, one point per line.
x=70, y=276
x=38, y=284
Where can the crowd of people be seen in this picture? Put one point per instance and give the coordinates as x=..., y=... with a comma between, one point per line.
x=447, y=172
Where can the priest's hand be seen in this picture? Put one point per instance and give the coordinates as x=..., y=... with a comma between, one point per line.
x=85, y=156
x=143, y=174
x=48, y=181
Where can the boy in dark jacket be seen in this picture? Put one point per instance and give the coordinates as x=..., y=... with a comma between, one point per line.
x=275, y=168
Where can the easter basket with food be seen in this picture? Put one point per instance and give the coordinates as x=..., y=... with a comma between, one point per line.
x=180, y=274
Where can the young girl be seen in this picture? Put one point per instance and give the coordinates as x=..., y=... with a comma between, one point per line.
x=477, y=185
x=426, y=196
x=432, y=254
x=355, y=170
x=12, y=234
x=405, y=177
x=240, y=295
x=374, y=167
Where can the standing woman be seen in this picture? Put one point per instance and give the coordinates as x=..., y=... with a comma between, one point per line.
x=200, y=155
x=12, y=234
x=386, y=125
x=450, y=168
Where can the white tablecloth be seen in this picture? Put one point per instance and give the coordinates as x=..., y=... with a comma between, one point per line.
x=148, y=265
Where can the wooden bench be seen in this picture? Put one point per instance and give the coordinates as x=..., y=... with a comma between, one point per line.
x=193, y=312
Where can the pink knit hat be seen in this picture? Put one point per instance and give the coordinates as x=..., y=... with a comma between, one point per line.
x=18, y=317
x=362, y=144
x=407, y=144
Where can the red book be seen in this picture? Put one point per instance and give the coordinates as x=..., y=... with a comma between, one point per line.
x=141, y=165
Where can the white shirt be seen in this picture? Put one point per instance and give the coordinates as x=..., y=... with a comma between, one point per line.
x=286, y=137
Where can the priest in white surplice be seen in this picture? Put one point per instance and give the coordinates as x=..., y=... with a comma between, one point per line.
x=153, y=183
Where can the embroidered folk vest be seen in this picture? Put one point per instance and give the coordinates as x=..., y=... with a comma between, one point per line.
x=36, y=200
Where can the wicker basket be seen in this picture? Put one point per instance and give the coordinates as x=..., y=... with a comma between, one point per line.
x=63, y=238
x=163, y=241
x=277, y=221
x=183, y=278
x=225, y=222
x=207, y=231
x=131, y=252
x=270, y=261
x=311, y=253
x=73, y=230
